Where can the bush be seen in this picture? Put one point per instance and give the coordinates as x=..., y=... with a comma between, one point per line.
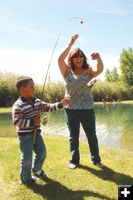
x=55, y=91
x=117, y=90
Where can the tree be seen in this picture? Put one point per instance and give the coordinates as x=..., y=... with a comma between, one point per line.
x=112, y=76
x=3, y=93
x=115, y=75
x=126, y=66
x=108, y=75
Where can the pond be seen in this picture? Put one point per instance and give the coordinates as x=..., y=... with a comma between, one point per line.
x=114, y=125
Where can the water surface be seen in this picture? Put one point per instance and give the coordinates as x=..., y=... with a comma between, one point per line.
x=114, y=125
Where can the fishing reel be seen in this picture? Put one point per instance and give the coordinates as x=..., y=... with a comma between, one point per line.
x=44, y=120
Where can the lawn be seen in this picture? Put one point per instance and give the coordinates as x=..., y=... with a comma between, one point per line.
x=84, y=183
x=5, y=109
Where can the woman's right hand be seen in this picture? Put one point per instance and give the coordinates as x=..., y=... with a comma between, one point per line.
x=64, y=68
x=74, y=38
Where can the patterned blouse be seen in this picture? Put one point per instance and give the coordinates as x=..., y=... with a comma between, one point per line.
x=77, y=89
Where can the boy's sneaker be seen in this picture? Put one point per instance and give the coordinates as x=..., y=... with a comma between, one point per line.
x=40, y=174
x=100, y=165
x=28, y=182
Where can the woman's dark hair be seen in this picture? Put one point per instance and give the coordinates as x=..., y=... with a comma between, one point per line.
x=23, y=81
x=74, y=53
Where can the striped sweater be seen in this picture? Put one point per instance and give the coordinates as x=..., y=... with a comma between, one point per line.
x=23, y=112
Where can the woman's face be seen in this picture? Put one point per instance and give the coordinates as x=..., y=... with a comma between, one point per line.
x=78, y=60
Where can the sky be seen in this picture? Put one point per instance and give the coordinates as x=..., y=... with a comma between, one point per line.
x=29, y=30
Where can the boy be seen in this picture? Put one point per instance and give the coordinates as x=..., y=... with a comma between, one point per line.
x=26, y=116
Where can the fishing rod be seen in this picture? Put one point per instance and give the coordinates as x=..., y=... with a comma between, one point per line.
x=56, y=42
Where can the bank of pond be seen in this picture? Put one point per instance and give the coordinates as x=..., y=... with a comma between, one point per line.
x=114, y=125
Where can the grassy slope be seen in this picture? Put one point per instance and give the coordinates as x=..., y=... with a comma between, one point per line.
x=5, y=109
x=86, y=182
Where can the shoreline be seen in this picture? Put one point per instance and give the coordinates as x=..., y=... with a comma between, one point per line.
x=81, y=139
x=9, y=109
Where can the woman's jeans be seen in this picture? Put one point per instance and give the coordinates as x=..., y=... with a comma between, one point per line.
x=27, y=147
x=87, y=119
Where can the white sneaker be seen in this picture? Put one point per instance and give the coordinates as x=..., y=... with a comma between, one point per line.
x=72, y=166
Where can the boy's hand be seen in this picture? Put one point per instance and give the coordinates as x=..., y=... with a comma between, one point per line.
x=37, y=121
x=65, y=101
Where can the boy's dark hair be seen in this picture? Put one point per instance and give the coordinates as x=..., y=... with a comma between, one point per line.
x=23, y=81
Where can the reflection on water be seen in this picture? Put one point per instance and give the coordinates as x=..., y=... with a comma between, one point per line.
x=114, y=125
x=117, y=122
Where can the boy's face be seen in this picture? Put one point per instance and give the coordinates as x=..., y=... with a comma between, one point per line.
x=27, y=91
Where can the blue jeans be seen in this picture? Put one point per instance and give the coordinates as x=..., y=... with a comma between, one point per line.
x=87, y=119
x=27, y=147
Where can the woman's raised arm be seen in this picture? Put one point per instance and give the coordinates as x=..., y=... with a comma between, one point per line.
x=61, y=61
x=99, y=67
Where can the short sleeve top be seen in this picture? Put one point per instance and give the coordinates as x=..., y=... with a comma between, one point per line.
x=77, y=89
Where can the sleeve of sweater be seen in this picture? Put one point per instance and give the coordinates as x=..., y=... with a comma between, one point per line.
x=50, y=107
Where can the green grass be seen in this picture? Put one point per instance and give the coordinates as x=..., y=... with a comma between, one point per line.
x=83, y=183
x=123, y=102
x=5, y=109
x=127, y=102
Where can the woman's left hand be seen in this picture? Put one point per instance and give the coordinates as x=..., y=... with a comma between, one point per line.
x=95, y=55
x=99, y=65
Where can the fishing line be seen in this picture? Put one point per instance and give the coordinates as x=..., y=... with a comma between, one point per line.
x=56, y=42
x=44, y=120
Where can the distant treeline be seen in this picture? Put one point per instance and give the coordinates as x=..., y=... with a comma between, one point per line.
x=55, y=91
x=115, y=87
x=8, y=92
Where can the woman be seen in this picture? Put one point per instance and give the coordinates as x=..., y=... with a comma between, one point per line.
x=77, y=73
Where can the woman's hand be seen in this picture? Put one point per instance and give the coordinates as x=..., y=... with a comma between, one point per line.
x=95, y=56
x=74, y=38
x=64, y=68
x=99, y=65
